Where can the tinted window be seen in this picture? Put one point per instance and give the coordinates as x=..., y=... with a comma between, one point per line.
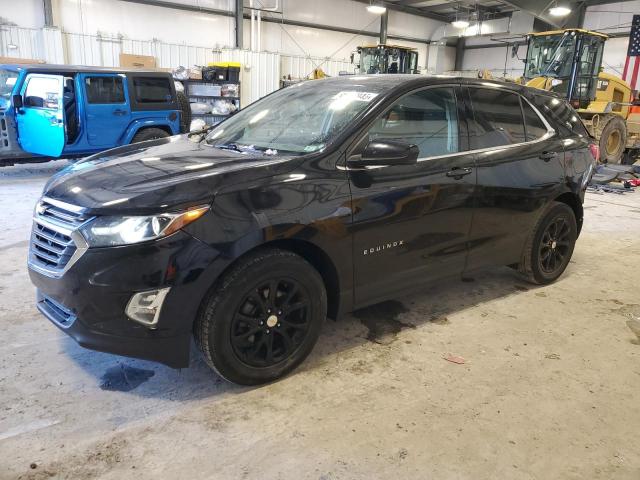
x=104, y=90
x=42, y=92
x=497, y=118
x=564, y=117
x=152, y=90
x=427, y=119
x=535, y=128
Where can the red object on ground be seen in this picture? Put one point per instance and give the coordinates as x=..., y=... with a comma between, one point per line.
x=454, y=359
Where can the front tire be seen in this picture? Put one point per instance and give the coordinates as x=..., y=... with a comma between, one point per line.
x=613, y=139
x=262, y=318
x=550, y=246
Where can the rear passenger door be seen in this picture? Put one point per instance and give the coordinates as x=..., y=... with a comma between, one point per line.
x=411, y=222
x=520, y=165
x=108, y=112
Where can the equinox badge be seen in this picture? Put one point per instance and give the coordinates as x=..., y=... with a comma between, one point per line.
x=384, y=246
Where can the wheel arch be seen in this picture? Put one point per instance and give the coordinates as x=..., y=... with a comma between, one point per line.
x=573, y=201
x=138, y=126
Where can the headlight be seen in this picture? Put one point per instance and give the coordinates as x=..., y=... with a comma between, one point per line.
x=113, y=231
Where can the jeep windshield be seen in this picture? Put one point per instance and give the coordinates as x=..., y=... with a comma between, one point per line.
x=7, y=81
x=303, y=118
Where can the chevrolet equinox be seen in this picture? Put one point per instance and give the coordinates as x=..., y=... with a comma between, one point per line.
x=318, y=199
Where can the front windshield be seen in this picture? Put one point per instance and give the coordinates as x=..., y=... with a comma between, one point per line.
x=7, y=81
x=302, y=118
x=550, y=55
x=370, y=60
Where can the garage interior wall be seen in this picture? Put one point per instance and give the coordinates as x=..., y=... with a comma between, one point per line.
x=126, y=21
x=610, y=18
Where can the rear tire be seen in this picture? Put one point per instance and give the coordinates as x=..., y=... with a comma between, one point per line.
x=613, y=139
x=550, y=245
x=185, y=112
x=262, y=318
x=149, y=134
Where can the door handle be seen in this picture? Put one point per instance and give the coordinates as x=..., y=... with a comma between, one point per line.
x=119, y=112
x=546, y=156
x=458, y=173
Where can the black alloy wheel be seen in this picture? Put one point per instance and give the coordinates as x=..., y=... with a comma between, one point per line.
x=262, y=318
x=550, y=245
x=555, y=246
x=271, y=322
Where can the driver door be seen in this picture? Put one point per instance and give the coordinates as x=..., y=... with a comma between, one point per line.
x=40, y=120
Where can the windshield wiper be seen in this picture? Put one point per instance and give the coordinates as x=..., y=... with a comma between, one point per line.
x=229, y=146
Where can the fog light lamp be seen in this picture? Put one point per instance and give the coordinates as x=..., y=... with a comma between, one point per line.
x=144, y=307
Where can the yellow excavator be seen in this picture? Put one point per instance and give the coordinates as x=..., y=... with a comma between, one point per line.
x=569, y=62
x=383, y=58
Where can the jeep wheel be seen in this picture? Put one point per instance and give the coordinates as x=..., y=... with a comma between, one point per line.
x=550, y=245
x=262, y=319
x=149, y=134
x=613, y=140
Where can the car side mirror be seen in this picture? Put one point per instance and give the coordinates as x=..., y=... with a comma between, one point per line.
x=385, y=152
x=17, y=101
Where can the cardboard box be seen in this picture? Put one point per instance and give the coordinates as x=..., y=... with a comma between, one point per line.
x=195, y=74
x=137, y=61
x=20, y=61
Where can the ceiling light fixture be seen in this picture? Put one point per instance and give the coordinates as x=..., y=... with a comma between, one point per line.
x=460, y=24
x=376, y=7
x=559, y=10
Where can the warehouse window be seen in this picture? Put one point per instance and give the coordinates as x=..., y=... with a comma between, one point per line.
x=427, y=119
x=152, y=90
x=104, y=89
x=497, y=118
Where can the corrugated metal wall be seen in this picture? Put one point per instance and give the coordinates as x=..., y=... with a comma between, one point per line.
x=301, y=67
x=261, y=71
x=259, y=75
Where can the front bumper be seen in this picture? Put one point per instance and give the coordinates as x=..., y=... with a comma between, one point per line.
x=89, y=301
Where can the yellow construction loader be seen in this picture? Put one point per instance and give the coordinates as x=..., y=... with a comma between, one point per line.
x=387, y=59
x=569, y=62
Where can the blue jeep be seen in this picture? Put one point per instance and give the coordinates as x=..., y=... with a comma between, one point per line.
x=53, y=111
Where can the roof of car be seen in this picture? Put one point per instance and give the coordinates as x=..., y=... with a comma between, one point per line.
x=52, y=68
x=383, y=81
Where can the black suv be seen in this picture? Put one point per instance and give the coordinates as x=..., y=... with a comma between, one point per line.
x=318, y=199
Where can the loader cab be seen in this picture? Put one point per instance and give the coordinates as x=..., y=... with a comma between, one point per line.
x=566, y=62
x=387, y=59
x=49, y=111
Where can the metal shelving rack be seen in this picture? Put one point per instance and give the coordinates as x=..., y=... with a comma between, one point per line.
x=210, y=118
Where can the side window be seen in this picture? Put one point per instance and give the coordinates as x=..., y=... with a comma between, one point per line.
x=42, y=92
x=152, y=90
x=534, y=127
x=103, y=90
x=565, y=117
x=497, y=118
x=427, y=118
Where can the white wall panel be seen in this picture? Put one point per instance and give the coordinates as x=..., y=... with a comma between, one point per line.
x=112, y=18
x=25, y=13
x=493, y=59
x=37, y=43
x=611, y=17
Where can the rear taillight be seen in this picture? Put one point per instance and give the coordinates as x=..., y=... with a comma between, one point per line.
x=595, y=151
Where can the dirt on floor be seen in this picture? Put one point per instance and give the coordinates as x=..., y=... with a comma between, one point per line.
x=487, y=378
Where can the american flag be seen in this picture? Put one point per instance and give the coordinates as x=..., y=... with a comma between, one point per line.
x=631, y=72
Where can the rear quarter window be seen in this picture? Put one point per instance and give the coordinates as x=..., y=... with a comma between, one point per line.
x=560, y=115
x=152, y=90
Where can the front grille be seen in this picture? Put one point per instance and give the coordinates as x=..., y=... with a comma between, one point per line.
x=55, y=311
x=52, y=239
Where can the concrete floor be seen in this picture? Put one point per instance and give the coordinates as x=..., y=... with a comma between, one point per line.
x=550, y=388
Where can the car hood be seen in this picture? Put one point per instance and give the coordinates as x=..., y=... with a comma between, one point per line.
x=158, y=175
